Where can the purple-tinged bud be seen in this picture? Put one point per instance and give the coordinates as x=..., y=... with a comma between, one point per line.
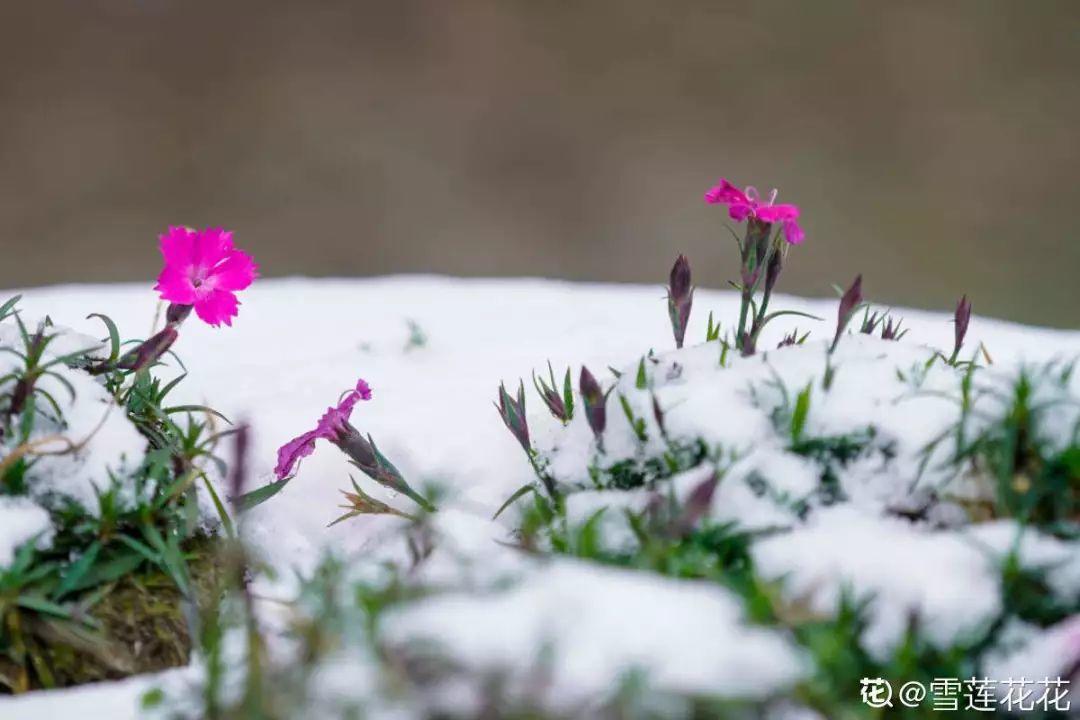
x=367, y=457
x=697, y=505
x=789, y=340
x=555, y=402
x=755, y=247
x=24, y=388
x=177, y=314
x=891, y=331
x=595, y=402
x=149, y=351
x=360, y=503
x=776, y=264
x=849, y=303
x=870, y=323
x=658, y=415
x=513, y=415
x=680, y=298
x=961, y=318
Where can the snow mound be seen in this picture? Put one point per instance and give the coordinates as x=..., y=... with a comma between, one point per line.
x=596, y=625
x=91, y=442
x=286, y=360
x=20, y=522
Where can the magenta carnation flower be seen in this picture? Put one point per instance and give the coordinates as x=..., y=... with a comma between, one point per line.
x=748, y=204
x=332, y=426
x=203, y=269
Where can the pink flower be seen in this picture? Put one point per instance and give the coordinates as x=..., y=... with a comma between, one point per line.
x=748, y=204
x=331, y=426
x=203, y=269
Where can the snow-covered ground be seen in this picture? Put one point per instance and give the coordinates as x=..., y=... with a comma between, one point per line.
x=298, y=344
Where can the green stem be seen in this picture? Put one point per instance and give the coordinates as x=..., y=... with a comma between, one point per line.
x=419, y=500
x=747, y=295
x=546, y=480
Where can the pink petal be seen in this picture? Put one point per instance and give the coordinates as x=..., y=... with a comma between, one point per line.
x=363, y=389
x=793, y=233
x=362, y=392
x=740, y=211
x=236, y=272
x=726, y=193
x=177, y=246
x=333, y=421
x=174, y=285
x=292, y=452
x=776, y=213
x=215, y=307
x=212, y=245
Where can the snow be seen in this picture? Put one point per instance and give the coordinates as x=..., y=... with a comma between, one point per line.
x=939, y=578
x=298, y=344
x=595, y=625
x=20, y=522
x=1049, y=653
x=95, y=441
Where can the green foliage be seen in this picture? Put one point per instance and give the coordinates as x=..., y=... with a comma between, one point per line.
x=1036, y=478
x=645, y=472
x=105, y=598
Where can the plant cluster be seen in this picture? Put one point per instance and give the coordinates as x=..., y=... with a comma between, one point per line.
x=100, y=589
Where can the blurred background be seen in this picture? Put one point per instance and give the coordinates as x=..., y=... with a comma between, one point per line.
x=932, y=146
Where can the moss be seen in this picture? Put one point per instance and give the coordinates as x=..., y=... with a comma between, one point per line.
x=142, y=627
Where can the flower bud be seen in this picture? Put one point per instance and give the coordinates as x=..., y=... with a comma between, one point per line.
x=697, y=505
x=961, y=318
x=149, y=351
x=891, y=331
x=680, y=298
x=849, y=303
x=555, y=402
x=595, y=402
x=772, y=271
x=513, y=415
x=177, y=314
x=366, y=456
x=754, y=249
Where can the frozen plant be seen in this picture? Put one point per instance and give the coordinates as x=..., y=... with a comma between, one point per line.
x=334, y=427
x=202, y=271
x=680, y=297
x=89, y=438
x=761, y=253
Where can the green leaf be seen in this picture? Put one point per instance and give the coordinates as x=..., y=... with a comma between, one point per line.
x=110, y=570
x=26, y=422
x=114, y=335
x=512, y=499
x=257, y=497
x=226, y=521
x=77, y=570
x=641, y=381
x=798, y=416
x=779, y=313
x=568, y=394
x=8, y=306
x=140, y=548
x=63, y=381
x=588, y=536
x=172, y=384
x=194, y=409
x=41, y=605
x=712, y=332
x=637, y=424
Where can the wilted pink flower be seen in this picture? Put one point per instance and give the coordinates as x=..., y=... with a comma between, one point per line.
x=204, y=269
x=331, y=426
x=748, y=204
